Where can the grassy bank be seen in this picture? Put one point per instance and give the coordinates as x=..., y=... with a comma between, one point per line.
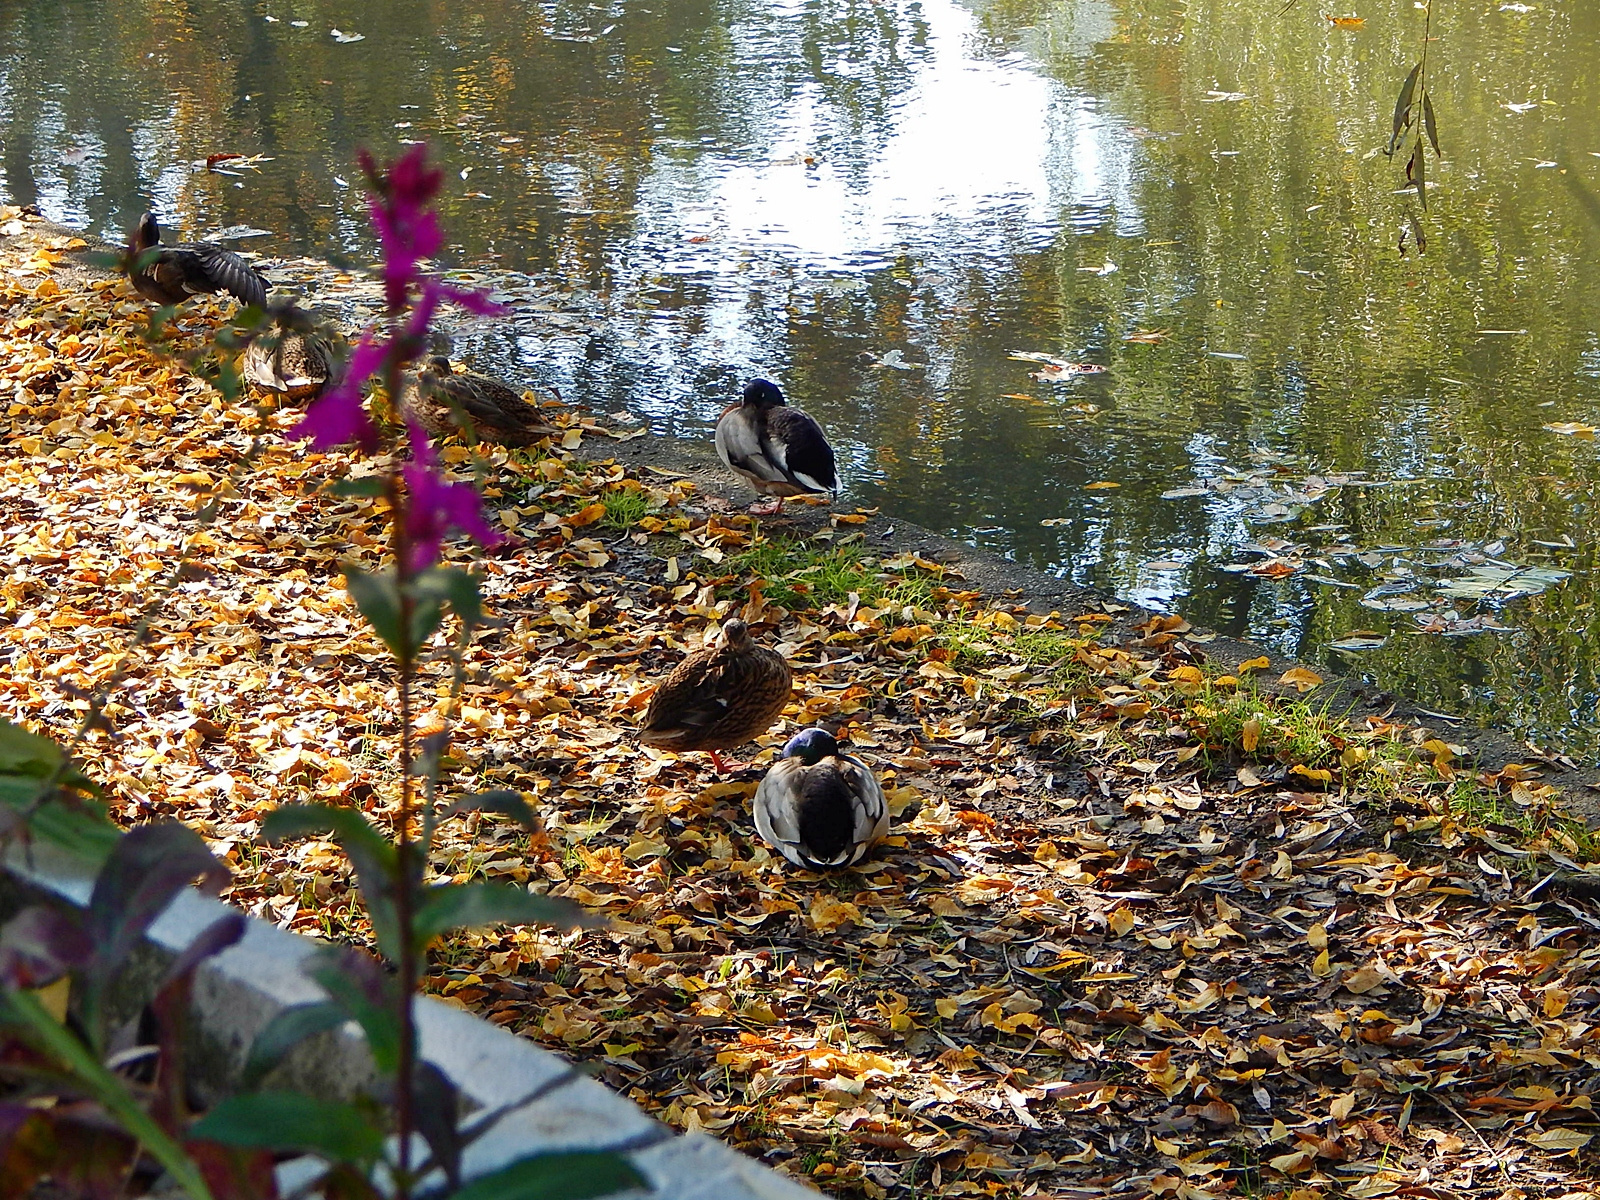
x=1143, y=926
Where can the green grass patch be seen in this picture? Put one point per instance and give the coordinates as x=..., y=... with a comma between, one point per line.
x=1475, y=806
x=625, y=507
x=1290, y=731
x=804, y=574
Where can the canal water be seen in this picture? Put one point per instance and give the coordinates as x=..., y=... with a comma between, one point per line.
x=1110, y=286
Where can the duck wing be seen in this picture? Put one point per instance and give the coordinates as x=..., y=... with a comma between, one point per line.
x=739, y=442
x=298, y=365
x=796, y=444
x=869, y=808
x=777, y=809
x=224, y=271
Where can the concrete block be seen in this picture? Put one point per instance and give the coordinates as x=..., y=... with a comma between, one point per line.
x=543, y=1103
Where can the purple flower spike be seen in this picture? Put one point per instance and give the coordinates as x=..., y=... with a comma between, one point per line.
x=406, y=225
x=436, y=507
x=340, y=414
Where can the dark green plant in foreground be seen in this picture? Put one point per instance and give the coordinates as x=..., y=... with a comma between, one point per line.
x=97, y=1102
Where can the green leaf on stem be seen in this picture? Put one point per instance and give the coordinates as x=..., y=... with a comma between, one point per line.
x=457, y=586
x=286, y=1031
x=467, y=905
x=505, y=801
x=1402, y=107
x=369, y=995
x=579, y=1175
x=370, y=486
x=340, y=1133
x=374, y=857
x=1427, y=121
x=71, y=823
x=378, y=598
x=149, y=865
x=1416, y=173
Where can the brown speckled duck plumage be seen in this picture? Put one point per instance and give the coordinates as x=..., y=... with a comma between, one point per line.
x=720, y=697
x=441, y=398
x=293, y=365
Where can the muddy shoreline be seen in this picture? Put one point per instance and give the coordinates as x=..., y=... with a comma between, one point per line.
x=982, y=571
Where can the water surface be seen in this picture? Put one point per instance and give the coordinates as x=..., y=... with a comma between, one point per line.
x=878, y=204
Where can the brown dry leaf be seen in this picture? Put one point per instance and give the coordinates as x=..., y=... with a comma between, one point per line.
x=827, y=915
x=1300, y=679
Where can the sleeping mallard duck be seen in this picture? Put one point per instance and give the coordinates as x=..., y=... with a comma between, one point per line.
x=444, y=399
x=777, y=449
x=293, y=365
x=818, y=807
x=719, y=697
x=179, y=272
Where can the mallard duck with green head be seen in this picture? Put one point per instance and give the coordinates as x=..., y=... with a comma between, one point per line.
x=819, y=807
x=778, y=450
x=719, y=697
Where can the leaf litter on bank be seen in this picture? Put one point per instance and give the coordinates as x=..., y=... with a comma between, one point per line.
x=1141, y=928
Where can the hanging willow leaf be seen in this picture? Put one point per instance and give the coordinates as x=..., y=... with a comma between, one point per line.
x=1427, y=120
x=1402, y=108
x=1416, y=173
x=1418, y=233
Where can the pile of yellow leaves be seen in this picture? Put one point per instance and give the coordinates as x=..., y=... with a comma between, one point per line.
x=1115, y=945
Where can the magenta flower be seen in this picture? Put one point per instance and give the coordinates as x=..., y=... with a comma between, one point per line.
x=339, y=415
x=409, y=232
x=407, y=227
x=436, y=507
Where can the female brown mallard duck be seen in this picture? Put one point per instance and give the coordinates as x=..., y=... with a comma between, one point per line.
x=719, y=697
x=293, y=365
x=778, y=450
x=819, y=807
x=445, y=400
x=179, y=272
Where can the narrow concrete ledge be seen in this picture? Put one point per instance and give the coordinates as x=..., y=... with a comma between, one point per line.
x=543, y=1102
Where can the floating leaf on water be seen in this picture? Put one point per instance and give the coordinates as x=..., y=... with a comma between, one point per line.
x=1391, y=603
x=1050, y=521
x=1502, y=583
x=1347, y=22
x=1360, y=639
x=340, y=36
x=1148, y=337
x=1225, y=354
x=1055, y=374
x=1453, y=624
x=1215, y=97
x=1572, y=429
x=1181, y=493
x=1331, y=581
x=1164, y=564
x=1101, y=485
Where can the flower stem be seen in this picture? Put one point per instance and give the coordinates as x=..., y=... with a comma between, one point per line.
x=405, y=897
